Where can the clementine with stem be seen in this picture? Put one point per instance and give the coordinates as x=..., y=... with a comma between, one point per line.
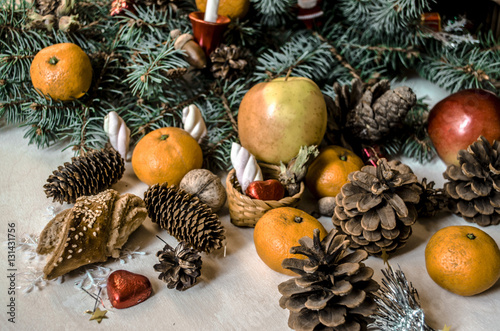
x=463, y=259
x=328, y=172
x=280, y=229
x=166, y=155
x=62, y=72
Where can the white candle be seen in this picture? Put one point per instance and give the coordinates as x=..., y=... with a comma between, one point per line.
x=211, y=11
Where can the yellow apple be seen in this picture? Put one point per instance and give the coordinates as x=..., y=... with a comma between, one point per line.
x=276, y=118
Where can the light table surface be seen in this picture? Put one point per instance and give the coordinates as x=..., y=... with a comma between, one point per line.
x=234, y=292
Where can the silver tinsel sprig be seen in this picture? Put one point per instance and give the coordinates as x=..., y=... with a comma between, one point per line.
x=31, y=280
x=398, y=305
x=93, y=278
x=27, y=245
x=127, y=254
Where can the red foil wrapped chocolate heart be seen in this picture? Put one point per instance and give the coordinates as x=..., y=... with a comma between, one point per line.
x=126, y=289
x=270, y=189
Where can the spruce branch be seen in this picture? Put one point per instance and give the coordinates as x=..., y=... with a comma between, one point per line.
x=308, y=57
x=273, y=13
x=153, y=67
x=370, y=40
x=166, y=110
x=242, y=33
x=383, y=16
x=462, y=67
x=381, y=50
x=147, y=22
x=340, y=59
x=225, y=103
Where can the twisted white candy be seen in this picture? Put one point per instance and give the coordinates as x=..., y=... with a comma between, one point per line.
x=118, y=133
x=245, y=165
x=193, y=122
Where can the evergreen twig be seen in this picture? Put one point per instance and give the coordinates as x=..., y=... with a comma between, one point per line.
x=140, y=75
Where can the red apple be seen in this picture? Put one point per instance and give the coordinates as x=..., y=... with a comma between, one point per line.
x=277, y=118
x=459, y=119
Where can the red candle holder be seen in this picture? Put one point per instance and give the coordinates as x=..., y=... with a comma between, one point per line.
x=207, y=34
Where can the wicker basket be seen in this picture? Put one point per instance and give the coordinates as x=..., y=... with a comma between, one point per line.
x=245, y=211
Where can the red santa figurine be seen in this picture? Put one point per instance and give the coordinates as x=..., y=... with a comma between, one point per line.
x=310, y=12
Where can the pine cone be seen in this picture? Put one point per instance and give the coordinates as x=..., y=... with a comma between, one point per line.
x=228, y=61
x=334, y=291
x=184, y=216
x=377, y=208
x=86, y=175
x=178, y=268
x=380, y=111
x=474, y=184
x=46, y=7
x=432, y=201
x=346, y=99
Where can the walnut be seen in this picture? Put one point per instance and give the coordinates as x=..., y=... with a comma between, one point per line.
x=206, y=186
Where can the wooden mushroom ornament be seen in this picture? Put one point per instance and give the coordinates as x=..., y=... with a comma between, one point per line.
x=194, y=54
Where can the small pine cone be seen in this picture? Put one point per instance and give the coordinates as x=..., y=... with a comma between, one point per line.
x=380, y=111
x=86, y=175
x=46, y=7
x=185, y=217
x=178, y=267
x=432, y=201
x=335, y=290
x=174, y=73
x=474, y=184
x=377, y=207
x=228, y=61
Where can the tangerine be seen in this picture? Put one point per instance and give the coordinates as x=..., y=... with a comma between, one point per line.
x=463, y=259
x=61, y=71
x=280, y=229
x=329, y=170
x=229, y=8
x=166, y=155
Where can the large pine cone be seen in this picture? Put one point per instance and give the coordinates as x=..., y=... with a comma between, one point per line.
x=474, y=184
x=335, y=290
x=184, y=216
x=346, y=99
x=379, y=111
x=377, y=208
x=87, y=174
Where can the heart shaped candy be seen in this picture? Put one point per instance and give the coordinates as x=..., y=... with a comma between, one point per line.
x=126, y=289
x=270, y=189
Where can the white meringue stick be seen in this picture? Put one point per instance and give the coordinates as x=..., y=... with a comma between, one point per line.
x=193, y=122
x=118, y=133
x=245, y=165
